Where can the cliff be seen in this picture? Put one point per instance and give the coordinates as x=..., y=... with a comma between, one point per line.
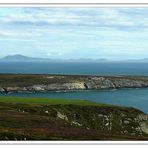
x=71, y=122
x=43, y=83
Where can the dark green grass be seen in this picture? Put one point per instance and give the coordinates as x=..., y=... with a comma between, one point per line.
x=55, y=101
x=29, y=100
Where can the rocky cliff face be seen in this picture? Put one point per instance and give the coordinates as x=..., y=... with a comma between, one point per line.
x=111, y=120
x=42, y=83
x=71, y=122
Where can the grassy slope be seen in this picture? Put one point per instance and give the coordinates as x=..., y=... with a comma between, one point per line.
x=30, y=100
x=50, y=101
x=12, y=80
x=26, y=118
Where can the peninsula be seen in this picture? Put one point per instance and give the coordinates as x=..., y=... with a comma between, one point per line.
x=43, y=82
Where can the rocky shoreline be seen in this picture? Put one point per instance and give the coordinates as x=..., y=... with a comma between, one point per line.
x=10, y=83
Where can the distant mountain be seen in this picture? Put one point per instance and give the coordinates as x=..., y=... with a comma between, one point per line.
x=22, y=58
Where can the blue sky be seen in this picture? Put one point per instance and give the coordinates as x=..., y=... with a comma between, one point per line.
x=65, y=33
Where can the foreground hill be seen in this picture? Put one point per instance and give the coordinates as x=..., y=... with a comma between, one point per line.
x=43, y=83
x=47, y=119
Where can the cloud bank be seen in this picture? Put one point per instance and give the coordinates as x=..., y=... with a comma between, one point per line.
x=112, y=33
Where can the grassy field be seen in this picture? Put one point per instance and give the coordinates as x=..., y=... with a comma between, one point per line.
x=56, y=101
x=29, y=100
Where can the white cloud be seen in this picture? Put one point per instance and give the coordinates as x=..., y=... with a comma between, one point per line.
x=75, y=32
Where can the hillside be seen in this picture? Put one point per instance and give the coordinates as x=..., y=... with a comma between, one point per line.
x=62, y=120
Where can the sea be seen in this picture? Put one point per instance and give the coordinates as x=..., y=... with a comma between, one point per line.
x=136, y=97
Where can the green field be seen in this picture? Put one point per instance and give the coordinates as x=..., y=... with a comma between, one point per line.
x=50, y=101
x=29, y=100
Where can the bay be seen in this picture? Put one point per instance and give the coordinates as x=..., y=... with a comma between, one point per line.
x=137, y=98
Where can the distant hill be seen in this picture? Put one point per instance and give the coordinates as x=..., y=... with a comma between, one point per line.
x=18, y=57
x=22, y=58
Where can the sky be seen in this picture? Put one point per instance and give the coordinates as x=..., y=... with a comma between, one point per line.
x=74, y=33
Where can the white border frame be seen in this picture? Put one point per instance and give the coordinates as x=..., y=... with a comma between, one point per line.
x=74, y=4
x=102, y=3
x=75, y=1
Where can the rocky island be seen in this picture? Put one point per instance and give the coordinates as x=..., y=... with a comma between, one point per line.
x=43, y=82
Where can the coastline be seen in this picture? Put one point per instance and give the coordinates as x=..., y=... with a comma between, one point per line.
x=29, y=83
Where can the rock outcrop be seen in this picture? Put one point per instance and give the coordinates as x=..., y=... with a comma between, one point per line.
x=107, y=119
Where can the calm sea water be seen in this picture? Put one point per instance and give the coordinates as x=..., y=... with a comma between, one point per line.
x=128, y=97
x=75, y=68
